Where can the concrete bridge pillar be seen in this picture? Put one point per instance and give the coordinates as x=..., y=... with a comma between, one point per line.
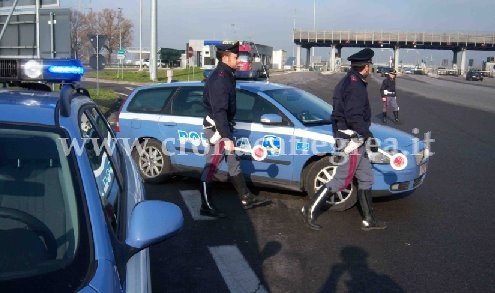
x=308, y=57
x=454, y=57
x=332, y=58
x=298, y=57
x=396, y=58
x=463, y=61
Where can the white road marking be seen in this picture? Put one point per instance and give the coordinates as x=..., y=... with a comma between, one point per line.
x=235, y=271
x=129, y=88
x=121, y=94
x=192, y=198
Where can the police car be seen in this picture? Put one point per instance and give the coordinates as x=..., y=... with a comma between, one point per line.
x=284, y=134
x=73, y=214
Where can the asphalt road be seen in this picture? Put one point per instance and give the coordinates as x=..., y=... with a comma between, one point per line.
x=440, y=238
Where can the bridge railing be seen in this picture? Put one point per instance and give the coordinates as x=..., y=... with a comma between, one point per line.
x=395, y=37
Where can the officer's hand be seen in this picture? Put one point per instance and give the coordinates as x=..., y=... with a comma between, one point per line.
x=372, y=143
x=229, y=145
x=384, y=98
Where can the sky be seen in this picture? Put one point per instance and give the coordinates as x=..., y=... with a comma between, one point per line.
x=270, y=22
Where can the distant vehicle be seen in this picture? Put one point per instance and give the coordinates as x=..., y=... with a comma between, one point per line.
x=254, y=61
x=167, y=120
x=385, y=71
x=73, y=214
x=474, y=75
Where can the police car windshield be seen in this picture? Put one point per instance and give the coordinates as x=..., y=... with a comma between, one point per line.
x=307, y=108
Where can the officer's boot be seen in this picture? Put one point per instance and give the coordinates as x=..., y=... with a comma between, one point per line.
x=207, y=207
x=248, y=200
x=314, y=207
x=384, y=118
x=369, y=221
x=396, y=116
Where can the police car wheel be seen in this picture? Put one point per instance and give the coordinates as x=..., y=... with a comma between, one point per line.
x=320, y=172
x=153, y=164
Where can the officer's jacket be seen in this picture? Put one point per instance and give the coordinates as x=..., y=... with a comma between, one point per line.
x=351, y=107
x=389, y=85
x=219, y=98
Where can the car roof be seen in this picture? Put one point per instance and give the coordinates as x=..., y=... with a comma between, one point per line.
x=254, y=86
x=25, y=106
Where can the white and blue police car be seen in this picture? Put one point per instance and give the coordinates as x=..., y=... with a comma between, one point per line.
x=73, y=214
x=164, y=124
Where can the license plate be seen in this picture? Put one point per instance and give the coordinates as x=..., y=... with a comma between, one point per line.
x=423, y=168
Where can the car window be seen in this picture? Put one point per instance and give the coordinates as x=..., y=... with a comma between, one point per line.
x=307, y=108
x=104, y=172
x=41, y=207
x=188, y=102
x=150, y=100
x=250, y=107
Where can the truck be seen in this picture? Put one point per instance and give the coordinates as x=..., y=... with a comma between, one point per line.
x=489, y=67
x=254, y=61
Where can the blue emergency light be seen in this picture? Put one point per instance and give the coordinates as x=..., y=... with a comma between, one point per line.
x=41, y=70
x=51, y=70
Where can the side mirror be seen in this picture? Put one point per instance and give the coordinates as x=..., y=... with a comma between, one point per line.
x=271, y=119
x=153, y=221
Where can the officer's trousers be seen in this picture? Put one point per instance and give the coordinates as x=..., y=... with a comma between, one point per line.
x=216, y=153
x=356, y=164
x=392, y=102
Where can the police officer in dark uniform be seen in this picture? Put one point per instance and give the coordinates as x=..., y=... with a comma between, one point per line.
x=219, y=99
x=389, y=96
x=351, y=120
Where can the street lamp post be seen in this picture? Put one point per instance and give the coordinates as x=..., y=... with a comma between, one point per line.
x=120, y=28
x=314, y=29
x=140, y=35
x=121, y=65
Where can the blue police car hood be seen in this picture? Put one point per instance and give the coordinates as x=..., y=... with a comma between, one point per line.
x=385, y=134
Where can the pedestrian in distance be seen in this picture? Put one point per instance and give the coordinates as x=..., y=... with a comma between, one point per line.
x=351, y=120
x=219, y=99
x=389, y=96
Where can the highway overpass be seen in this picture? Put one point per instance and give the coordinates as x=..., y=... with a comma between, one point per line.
x=456, y=42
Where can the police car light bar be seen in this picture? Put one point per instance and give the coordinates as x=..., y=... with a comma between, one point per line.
x=41, y=70
x=51, y=70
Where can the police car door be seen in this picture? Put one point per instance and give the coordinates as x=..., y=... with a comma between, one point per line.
x=187, y=109
x=275, y=137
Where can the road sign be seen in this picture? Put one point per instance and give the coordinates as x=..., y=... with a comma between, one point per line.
x=121, y=52
x=121, y=56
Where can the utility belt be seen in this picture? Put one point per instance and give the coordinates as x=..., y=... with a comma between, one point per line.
x=351, y=142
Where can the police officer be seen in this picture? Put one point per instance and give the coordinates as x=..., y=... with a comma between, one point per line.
x=389, y=96
x=219, y=99
x=351, y=128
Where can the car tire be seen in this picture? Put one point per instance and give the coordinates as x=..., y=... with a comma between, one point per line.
x=320, y=172
x=153, y=163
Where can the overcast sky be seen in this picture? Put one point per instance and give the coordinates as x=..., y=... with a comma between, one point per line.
x=270, y=22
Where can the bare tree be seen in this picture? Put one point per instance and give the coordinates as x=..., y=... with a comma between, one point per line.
x=107, y=22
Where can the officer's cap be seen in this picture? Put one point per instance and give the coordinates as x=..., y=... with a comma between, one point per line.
x=233, y=48
x=393, y=71
x=362, y=57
